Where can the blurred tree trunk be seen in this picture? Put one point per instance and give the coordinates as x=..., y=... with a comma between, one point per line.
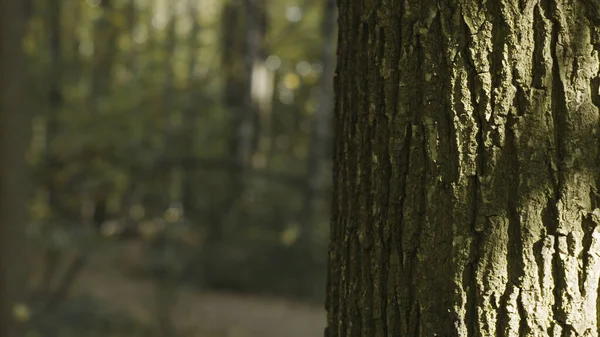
x=105, y=39
x=171, y=116
x=72, y=53
x=189, y=115
x=170, y=44
x=467, y=169
x=55, y=102
x=317, y=177
x=243, y=39
x=14, y=139
x=164, y=278
x=243, y=29
x=132, y=21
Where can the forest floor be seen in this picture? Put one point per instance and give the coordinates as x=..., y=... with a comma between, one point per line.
x=200, y=313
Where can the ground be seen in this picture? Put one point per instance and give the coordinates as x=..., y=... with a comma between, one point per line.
x=202, y=314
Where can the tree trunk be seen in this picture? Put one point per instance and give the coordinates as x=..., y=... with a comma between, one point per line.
x=243, y=41
x=187, y=134
x=55, y=102
x=14, y=126
x=466, y=169
x=240, y=49
x=103, y=58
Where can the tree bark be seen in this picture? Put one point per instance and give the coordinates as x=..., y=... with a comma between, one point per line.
x=466, y=169
x=14, y=126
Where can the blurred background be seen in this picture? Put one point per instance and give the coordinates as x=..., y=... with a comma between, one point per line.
x=181, y=154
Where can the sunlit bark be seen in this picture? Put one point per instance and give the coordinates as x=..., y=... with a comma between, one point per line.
x=466, y=169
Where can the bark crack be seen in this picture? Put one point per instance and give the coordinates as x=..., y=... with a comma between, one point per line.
x=588, y=226
x=475, y=184
x=559, y=109
x=523, y=328
x=538, y=62
x=399, y=233
x=383, y=190
x=413, y=319
x=514, y=259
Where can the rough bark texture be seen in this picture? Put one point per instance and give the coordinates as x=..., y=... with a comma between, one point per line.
x=467, y=169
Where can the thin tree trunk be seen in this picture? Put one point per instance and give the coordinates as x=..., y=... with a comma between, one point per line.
x=132, y=22
x=466, y=169
x=164, y=278
x=237, y=59
x=189, y=114
x=14, y=139
x=244, y=24
x=105, y=38
x=55, y=103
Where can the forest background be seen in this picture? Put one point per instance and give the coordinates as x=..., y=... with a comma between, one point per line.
x=181, y=155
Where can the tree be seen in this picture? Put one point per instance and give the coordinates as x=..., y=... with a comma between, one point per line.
x=13, y=144
x=466, y=169
x=243, y=48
